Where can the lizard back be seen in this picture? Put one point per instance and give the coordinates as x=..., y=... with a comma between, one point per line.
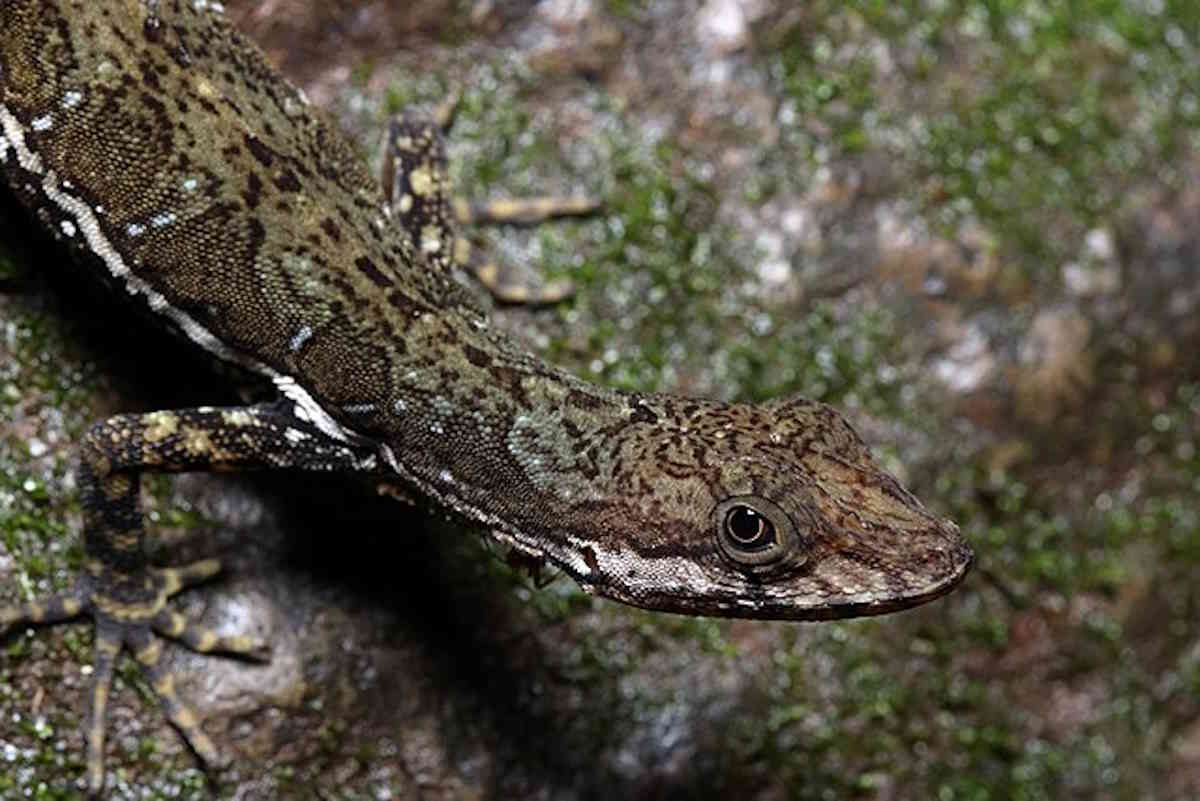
x=209, y=187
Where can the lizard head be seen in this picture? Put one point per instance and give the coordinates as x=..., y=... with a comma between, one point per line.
x=762, y=511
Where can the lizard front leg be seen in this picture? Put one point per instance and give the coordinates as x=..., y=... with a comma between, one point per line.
x=118, y=588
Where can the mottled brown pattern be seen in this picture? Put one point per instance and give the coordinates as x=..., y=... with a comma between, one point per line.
x=163, y=148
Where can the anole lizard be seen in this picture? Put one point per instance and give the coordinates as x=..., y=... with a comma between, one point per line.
x=181, y=168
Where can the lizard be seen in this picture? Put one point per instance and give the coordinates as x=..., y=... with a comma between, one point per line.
x=180, y=168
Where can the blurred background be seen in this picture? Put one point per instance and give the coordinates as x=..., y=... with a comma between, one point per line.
x=973, y=227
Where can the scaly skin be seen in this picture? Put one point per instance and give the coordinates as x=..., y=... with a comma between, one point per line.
x=164, y=150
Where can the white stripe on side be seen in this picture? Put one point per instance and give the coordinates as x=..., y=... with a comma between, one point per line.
x=89, y=226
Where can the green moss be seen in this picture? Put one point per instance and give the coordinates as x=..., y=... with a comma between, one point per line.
x=1026, y=116
x=821, y=78
x=630, y=9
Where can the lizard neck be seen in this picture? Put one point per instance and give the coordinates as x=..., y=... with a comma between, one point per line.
x=495, y=432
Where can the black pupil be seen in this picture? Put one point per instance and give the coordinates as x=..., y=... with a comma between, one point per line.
x=748, y=529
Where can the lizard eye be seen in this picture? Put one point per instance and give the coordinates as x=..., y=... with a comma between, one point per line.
x=747, y=530
x=757, y=535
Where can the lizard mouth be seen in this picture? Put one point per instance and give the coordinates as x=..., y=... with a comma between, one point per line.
x=811, y=596
x=962, y=558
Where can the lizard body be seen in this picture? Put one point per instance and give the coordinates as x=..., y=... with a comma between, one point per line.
x=162, y=148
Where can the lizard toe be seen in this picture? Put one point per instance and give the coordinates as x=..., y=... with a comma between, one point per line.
x=200, y=639
x=147, y=650
x=44, y=611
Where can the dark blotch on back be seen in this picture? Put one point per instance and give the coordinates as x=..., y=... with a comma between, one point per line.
x=253, y=191
x=287, y=181
x=366, y=266
x=331, y=230
x=476, y=356
x=259, y=150
x=582, y=400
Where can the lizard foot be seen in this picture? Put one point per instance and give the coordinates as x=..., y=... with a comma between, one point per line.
x=416, y=182
x=131, y=611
